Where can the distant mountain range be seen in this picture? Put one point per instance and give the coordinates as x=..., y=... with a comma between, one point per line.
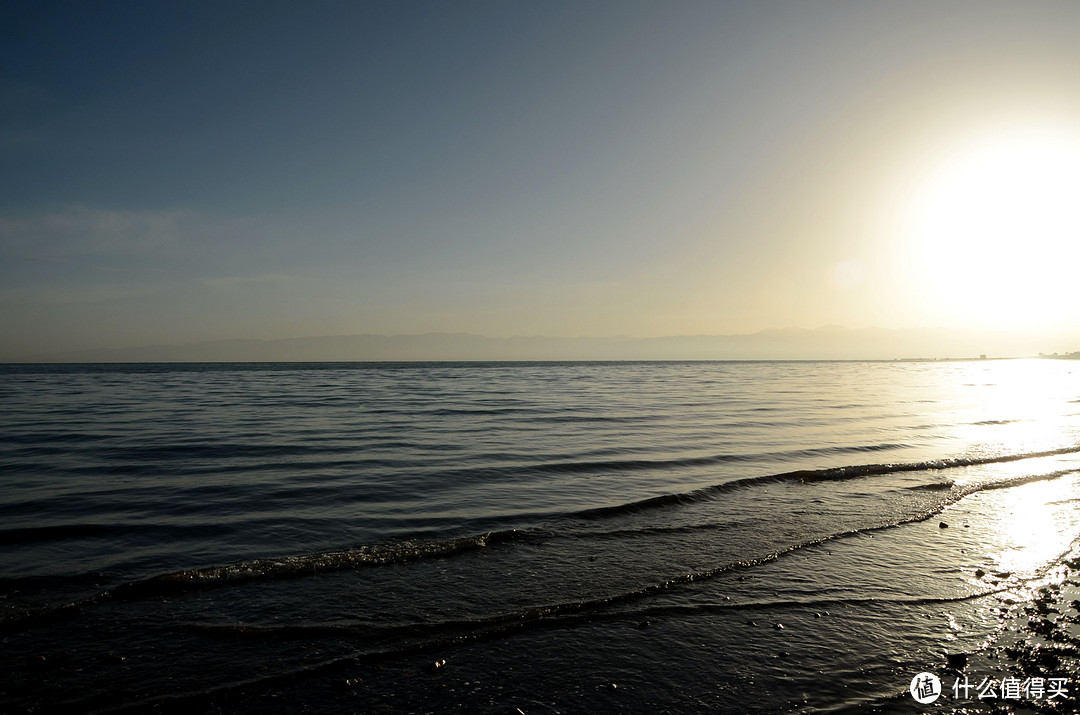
x=828, y=343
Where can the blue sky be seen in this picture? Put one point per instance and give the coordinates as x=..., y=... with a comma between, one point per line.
x=175, y=172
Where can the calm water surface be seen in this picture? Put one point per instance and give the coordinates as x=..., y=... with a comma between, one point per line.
x=281, y=537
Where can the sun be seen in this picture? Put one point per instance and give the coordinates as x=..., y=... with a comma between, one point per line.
x=993, y=237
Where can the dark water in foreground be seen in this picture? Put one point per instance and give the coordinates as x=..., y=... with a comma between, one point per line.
x=549, y=537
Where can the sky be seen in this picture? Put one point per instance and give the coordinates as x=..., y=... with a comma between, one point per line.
x=178, y=172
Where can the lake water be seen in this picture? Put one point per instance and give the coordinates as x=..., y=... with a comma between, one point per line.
x=495, y=537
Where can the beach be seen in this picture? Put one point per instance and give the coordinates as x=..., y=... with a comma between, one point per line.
x=516, y=358
x=1021, y=627
x=1032, y=663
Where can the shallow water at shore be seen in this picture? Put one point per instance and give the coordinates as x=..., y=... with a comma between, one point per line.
x=546, y=537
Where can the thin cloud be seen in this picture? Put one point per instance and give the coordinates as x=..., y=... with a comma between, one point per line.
x=114, y=269
x=83, y=231
x=229, y=282
x=65, y=294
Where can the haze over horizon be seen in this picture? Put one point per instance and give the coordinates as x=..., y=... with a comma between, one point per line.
x=825, y=343
x=177, y=173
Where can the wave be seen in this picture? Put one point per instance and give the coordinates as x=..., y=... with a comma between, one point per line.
x=568, y=611
x=375, y=644
x=828, y=474
x=300, y=566
x=264, y=569
x=636, y=465
x=304, y=565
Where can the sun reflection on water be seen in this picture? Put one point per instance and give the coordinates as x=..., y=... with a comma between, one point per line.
x=1036, y=525
x=1016, y=407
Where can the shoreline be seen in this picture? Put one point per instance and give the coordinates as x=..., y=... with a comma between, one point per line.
x=838, y=626
x=1037, y=647
x=1029, y=659
x=954, y=598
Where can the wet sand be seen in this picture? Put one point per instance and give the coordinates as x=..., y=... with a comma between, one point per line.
x=1017, y=649
x=1033, y=663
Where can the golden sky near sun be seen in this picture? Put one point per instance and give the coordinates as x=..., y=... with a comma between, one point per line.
x=968, y=219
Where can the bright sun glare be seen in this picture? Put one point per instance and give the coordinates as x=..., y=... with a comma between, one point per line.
x=995, y=232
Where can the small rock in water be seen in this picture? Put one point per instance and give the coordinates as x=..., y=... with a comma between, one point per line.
x=347, y=683
x=751, y=623
x=437, y=664
x=943, y=525
x=779, y=626
x=613, y=686
x=643, y=625
x=956, y=660
x=783, y=654
x=979, y=573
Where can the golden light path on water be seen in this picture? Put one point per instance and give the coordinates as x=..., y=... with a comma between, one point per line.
x=1017, y=407
x=1031, y=531
x=1014, y=407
